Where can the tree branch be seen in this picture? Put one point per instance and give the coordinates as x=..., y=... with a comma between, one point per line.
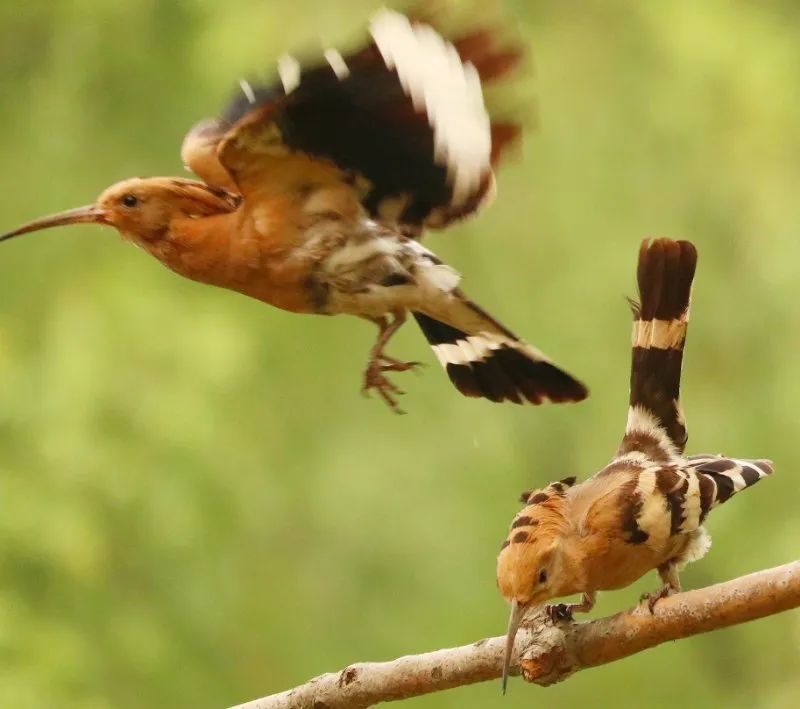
x=546, y=652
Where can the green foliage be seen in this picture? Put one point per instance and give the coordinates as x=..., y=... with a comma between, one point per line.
x=197, y=508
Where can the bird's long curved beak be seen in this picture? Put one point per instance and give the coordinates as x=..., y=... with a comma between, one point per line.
x=89, y=214
x=516, y=615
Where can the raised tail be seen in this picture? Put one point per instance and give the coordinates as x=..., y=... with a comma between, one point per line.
x=655, y=420
x=485, y=359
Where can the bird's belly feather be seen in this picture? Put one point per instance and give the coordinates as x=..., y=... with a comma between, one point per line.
x=616, y=563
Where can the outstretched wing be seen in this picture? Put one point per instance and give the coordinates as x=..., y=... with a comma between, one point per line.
x=401, y=122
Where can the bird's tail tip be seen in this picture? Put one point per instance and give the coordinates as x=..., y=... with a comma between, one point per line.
x=494, y=365
x=665, y=273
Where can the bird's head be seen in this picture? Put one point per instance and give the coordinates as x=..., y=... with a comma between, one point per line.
x=530, y=565
x=142, y=209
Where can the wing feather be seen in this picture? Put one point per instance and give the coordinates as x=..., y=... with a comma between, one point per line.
x=402, y=120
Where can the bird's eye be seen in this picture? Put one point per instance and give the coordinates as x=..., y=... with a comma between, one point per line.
x=543, y=576
x=130, y=200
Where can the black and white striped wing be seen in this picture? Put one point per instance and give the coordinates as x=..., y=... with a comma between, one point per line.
x=721, y=477
x=661, y=502
x=402, y=121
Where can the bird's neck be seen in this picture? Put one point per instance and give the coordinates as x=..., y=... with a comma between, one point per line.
x=572, y=562
x=196, y=248
x=573, y=566
x=226, y=251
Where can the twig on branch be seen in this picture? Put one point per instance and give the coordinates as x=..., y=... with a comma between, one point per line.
x=547, y=653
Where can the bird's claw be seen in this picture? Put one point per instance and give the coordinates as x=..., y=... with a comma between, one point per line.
x=390, y=364
x=559, y=612
x=653, y=598
x=374, y=378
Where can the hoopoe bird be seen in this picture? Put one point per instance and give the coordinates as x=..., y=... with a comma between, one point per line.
x=645, y=510
x=316, y=189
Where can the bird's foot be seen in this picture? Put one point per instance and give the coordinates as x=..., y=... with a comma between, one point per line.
x=564, y=611
x=376, y=379
x=558, y=612
x=652, y=598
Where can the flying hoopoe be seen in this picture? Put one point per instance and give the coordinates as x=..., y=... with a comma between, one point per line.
x=646, y=508
x=316, y=189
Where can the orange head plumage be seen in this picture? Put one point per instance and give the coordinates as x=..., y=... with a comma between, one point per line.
x=530, y=563
x=142, y=210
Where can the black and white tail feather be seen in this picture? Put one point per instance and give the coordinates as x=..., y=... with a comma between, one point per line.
x=655, y=419
x=671, y=494
x=485, y=359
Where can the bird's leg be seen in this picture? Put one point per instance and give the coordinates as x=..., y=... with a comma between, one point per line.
x=379, y=363
x=672, y=584
x=564, y=611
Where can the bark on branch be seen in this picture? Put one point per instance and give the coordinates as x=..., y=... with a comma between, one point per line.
x=546, y=652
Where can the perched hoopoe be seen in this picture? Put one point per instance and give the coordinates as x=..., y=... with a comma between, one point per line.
x=317, y=188
x=646, y=508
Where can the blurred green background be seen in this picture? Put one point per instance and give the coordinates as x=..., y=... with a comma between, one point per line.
x=196, y=506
